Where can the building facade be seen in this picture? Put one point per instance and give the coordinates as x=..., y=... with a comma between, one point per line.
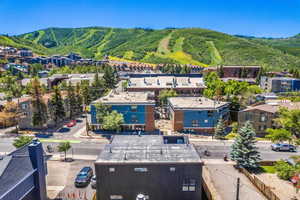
x=236, y=71
x=183, y=85
x=23, y=174
x=280, y=84
x=158, y=168
x=198, y=114
x=262, y=116
x=137, y=109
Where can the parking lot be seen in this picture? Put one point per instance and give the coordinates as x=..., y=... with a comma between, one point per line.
x=60, y=180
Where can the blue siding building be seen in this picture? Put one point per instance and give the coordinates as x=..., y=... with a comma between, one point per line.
x=137, y=109
x=23, y=174
x=196, y=113
x=280, y=84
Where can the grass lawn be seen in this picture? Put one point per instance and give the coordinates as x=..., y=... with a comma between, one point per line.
x=268, y=169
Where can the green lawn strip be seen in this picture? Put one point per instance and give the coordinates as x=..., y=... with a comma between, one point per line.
x=58, y=141
x=268, y=169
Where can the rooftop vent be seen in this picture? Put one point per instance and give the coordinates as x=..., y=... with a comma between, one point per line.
x=140, y=197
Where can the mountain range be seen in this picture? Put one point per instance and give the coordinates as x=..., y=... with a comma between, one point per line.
x=183, y=46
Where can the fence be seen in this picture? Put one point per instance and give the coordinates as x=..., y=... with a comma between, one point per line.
x=269, y=194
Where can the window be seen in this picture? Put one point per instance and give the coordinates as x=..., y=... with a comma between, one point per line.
x=210, y=113
x=140, y=169
x=24, y=106
x=195, y=123
x=189, y=185
x=134, y=108
x=262, y=118
x=172, y=169
x=111, y=169
x=134, y=119
x=192, y=185
x=116, y=197
x=248, y=116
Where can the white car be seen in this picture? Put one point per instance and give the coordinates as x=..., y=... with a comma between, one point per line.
x=283, y=147
x=93, y=182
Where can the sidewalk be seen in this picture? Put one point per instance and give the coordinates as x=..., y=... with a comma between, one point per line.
x=58, y=157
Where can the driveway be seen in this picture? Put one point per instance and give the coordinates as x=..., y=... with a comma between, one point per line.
x=224, y=178
x=60, y=180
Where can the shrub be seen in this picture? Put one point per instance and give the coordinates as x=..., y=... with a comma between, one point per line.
x=230, y=136
x=284, y=170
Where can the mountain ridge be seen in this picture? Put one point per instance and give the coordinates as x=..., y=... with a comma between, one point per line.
x=173, y=45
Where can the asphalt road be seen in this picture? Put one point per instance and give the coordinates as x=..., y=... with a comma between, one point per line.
x=217, y=149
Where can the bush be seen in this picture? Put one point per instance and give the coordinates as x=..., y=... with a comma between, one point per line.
x=231, y=136
x=284, y=170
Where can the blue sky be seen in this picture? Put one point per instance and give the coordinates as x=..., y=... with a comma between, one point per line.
x=270, y=18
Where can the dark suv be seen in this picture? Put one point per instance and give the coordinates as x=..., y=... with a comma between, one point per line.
x=83, y=178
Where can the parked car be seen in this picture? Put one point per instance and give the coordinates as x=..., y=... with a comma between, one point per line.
x=283, y=147
x=71, y=123
x=83, y=178
x=93, y=182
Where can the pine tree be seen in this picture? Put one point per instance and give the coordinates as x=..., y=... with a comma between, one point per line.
x=220, y=130
x=56, y=104
x=39, y=117
x=78, y=98
x=243, y=150
x=97, y=87
x=71, y=101
x=110, y=77
x=85, y=92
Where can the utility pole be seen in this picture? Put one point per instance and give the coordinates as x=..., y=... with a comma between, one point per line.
x=238, y=189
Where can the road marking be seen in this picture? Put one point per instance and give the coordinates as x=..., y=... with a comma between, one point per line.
x=58, y=141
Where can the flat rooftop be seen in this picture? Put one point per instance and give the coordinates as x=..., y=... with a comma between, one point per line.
x=166, y=82
x=127, y=98
x=147, y=149
x=195, y=103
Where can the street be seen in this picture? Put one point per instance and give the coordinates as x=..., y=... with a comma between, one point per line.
x=217, y=149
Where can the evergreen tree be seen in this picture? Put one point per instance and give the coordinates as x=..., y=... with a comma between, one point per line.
x=220, y=130
x=39, y=117
x=78, y=97
x=56, y=105
x=71, y=101
x=85, y=92
x=243, y=150
x=110, y=77
x=97, y=87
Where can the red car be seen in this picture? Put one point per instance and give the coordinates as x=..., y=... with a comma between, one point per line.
x=71, y=123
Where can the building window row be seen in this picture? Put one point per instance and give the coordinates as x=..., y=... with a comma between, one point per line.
x=189, y=185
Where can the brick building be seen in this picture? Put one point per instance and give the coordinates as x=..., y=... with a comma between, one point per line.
x=149, y=167
x=137, y=109
x=196, y=113
x=236, y=71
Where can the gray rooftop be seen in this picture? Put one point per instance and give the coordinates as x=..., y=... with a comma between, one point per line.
x=127, y=98
x=146, y=149
x=166, y=82
x=14, y=167
x=195, y=103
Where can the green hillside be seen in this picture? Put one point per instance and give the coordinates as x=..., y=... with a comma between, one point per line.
x=290, y=45
x=184, y=46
